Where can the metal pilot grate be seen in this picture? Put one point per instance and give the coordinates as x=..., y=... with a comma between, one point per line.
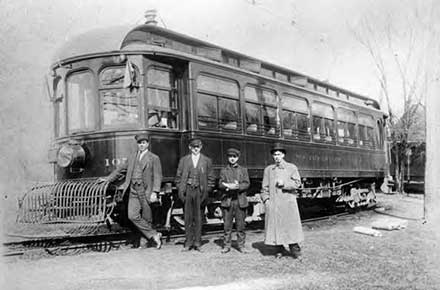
x=73, y=201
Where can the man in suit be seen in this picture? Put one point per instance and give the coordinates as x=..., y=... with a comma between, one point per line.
x=194, y=179
x=234, y=181
x=143, y=177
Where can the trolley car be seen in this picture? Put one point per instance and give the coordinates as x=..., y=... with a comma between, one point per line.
x=109, y=85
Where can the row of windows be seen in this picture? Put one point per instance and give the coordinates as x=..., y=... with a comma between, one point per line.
x=218, y=108
x=119, y=105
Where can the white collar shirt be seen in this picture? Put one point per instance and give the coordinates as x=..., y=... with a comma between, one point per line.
x=142, y=154
x=195, y=159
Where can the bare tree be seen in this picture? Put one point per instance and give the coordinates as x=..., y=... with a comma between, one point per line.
x=397, y=44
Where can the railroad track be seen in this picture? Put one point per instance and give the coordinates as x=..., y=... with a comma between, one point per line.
x=108, y=242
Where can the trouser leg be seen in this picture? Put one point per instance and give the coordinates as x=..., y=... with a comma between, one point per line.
x=189, y=226
x=227, y=219
x=240, y=216
x=138, y=208
x=197, y=218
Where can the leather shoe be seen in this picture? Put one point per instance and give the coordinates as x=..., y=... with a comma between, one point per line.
x=143, y=243
x=158, y=239
x=226, y=250
x=243, y=250
x=198, y=249
x=295, y=251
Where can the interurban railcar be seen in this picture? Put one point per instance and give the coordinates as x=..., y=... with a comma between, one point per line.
x=111, y=84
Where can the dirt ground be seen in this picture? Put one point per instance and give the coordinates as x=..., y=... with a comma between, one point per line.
x=334, y=257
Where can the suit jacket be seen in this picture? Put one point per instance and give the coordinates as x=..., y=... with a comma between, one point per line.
x=227, y=175
x=151, y=172
x=207, y=177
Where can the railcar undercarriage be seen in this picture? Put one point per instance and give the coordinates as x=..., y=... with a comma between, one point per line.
x=83, y=206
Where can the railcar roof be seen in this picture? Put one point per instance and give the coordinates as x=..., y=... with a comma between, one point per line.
x=93, y=41
x=114, y=39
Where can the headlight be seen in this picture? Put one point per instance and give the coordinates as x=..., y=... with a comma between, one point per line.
x=71, y=155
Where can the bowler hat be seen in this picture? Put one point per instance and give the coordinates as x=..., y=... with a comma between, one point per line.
x=195, y=142
x=233, y=151
x=277, y=147
x=141, y=136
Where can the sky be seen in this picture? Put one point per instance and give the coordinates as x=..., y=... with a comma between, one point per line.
x=312, y=37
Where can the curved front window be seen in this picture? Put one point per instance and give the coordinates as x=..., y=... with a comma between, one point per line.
x=81, y=102
x=119, y=105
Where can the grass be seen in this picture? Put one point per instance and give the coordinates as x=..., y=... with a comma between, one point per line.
x=334, y=257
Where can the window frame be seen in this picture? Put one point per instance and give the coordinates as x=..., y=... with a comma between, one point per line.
x=319, y=135
x=218, y=123
x=367, y=123
x=348, y=118
x=295, y=133
x=172, y=92
x=95, y=102
x=102, y=88
x=262, y=129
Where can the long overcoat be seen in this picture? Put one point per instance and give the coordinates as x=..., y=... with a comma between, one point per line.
x=282, y=221
x=151, y=172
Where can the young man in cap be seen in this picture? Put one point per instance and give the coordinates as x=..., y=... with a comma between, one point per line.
x=282, y=221
x=194, y=179
x=143, y=178
x=234, y=181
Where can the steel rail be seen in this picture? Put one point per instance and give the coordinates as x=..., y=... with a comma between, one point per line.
x=115, y=240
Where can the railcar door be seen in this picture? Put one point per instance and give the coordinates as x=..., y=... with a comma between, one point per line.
x=164, y=102
x=165, y=84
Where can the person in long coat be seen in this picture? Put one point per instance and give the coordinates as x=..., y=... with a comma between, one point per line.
x=194, y=180
x=279, y=190
x=143, y=178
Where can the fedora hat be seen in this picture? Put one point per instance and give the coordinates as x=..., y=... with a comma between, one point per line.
x=277, y=147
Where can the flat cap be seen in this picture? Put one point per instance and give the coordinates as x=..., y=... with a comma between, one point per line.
x=141, y=136
x=233, y=151
x=195, y=142
x=277, y=147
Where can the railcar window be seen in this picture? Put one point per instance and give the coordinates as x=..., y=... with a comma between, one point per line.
x=119, y=105
x=81, y=100
x=261, y=111
x=207, y=109
x=253, y=118
x=112, y=76
x=217, y=103
x=367, y=135
x=61, y=109
x=270, y=121
x=161, y=99
x=323, y=123
x=218, y=85
x=303, y=126
x=347, y=127
x=295, y=118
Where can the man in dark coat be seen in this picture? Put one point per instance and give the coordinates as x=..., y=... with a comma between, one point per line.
x=234, y=181
x=194, y=179
x=143, y=178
